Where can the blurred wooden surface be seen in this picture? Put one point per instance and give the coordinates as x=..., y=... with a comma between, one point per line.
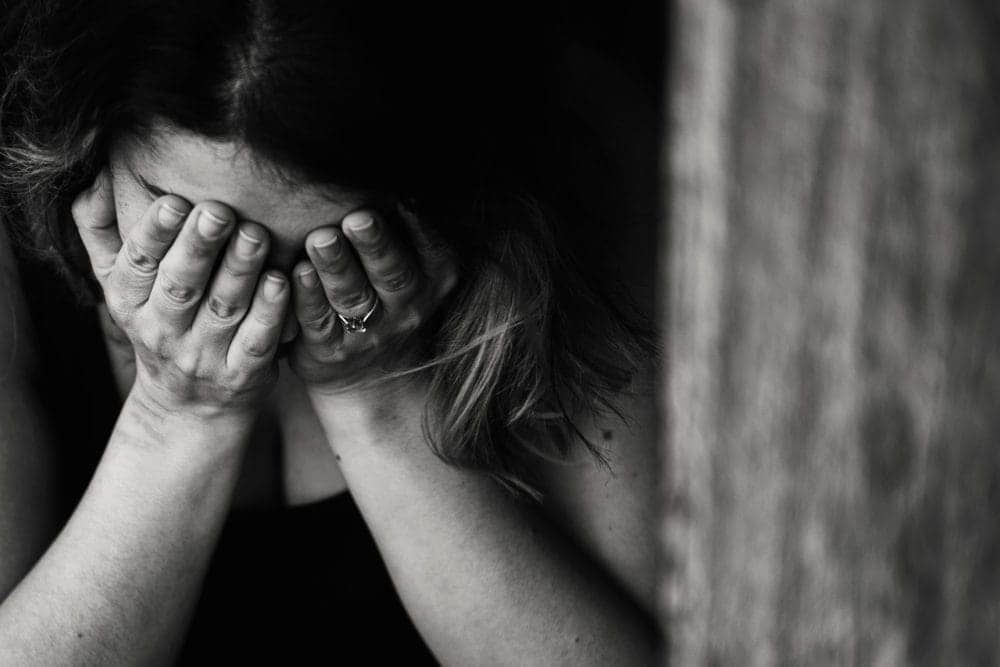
x=833, y=380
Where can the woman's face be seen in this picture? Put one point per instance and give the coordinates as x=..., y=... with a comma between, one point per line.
x=199, y=169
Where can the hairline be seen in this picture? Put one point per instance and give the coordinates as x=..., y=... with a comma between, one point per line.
x=161, y=129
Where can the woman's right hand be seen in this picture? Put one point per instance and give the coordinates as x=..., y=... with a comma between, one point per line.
x=204, y=340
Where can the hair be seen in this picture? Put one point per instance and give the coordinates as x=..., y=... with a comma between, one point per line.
x=337, y=93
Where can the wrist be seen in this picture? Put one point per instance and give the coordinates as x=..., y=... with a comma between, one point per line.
x=150, y=422
x=164, y=404
x=369, y=397
x=378, y=414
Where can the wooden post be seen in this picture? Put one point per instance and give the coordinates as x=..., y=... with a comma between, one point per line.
x=833, y=376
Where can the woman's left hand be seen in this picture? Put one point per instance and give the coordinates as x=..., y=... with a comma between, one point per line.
x=361, y=296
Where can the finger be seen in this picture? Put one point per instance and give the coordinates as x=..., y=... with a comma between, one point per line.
x=145, y=246
x=233, y=285
x=93, y=210
x=426, y=241
x=185, y=269
x=257, y=338
x=390, y=267
x=344, y=281
x=318, y=323
x=437, y=261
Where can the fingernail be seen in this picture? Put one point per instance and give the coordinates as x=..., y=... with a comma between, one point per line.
x=364, y=227
x=308, y=277
x=169, y=216
x=328, y=245
x=211, y=226
x=247, y=244
x=274, y=284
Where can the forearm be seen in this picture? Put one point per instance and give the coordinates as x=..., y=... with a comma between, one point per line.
x=486, y=580
x=118, y=584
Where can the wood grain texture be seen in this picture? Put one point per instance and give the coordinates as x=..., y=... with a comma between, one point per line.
x=833, y=379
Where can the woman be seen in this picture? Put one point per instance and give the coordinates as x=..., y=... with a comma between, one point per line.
x=350, y=204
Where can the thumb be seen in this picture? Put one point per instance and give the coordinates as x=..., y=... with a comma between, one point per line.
x=93, y=212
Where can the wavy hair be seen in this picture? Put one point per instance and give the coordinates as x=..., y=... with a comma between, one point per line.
x=334, y=93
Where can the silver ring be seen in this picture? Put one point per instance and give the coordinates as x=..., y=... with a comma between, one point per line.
x=357, y=324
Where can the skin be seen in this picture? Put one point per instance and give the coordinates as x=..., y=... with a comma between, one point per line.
x=486, y=580
x=118, y=584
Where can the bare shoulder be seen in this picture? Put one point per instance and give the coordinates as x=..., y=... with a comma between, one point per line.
x=611, y=510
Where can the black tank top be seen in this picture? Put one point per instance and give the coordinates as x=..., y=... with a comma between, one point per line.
x=299, y=585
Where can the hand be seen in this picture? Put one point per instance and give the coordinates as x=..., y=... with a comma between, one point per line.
x=351, y=270
x=204, y=342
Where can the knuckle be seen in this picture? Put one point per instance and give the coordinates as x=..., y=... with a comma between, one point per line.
x=222, y=308
x=116, y=306
x=157, y=344
x=138, y=259
x=187, y=363
x=103, y=269
x=177, y=292
x=145, y=340
x=256, y=348
x=334, y=267
x=245, y=377
x=397, y=279
x=377, y=247
x=265, y=317
x=356, y=300
x=238, y=269
x=318, y=319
